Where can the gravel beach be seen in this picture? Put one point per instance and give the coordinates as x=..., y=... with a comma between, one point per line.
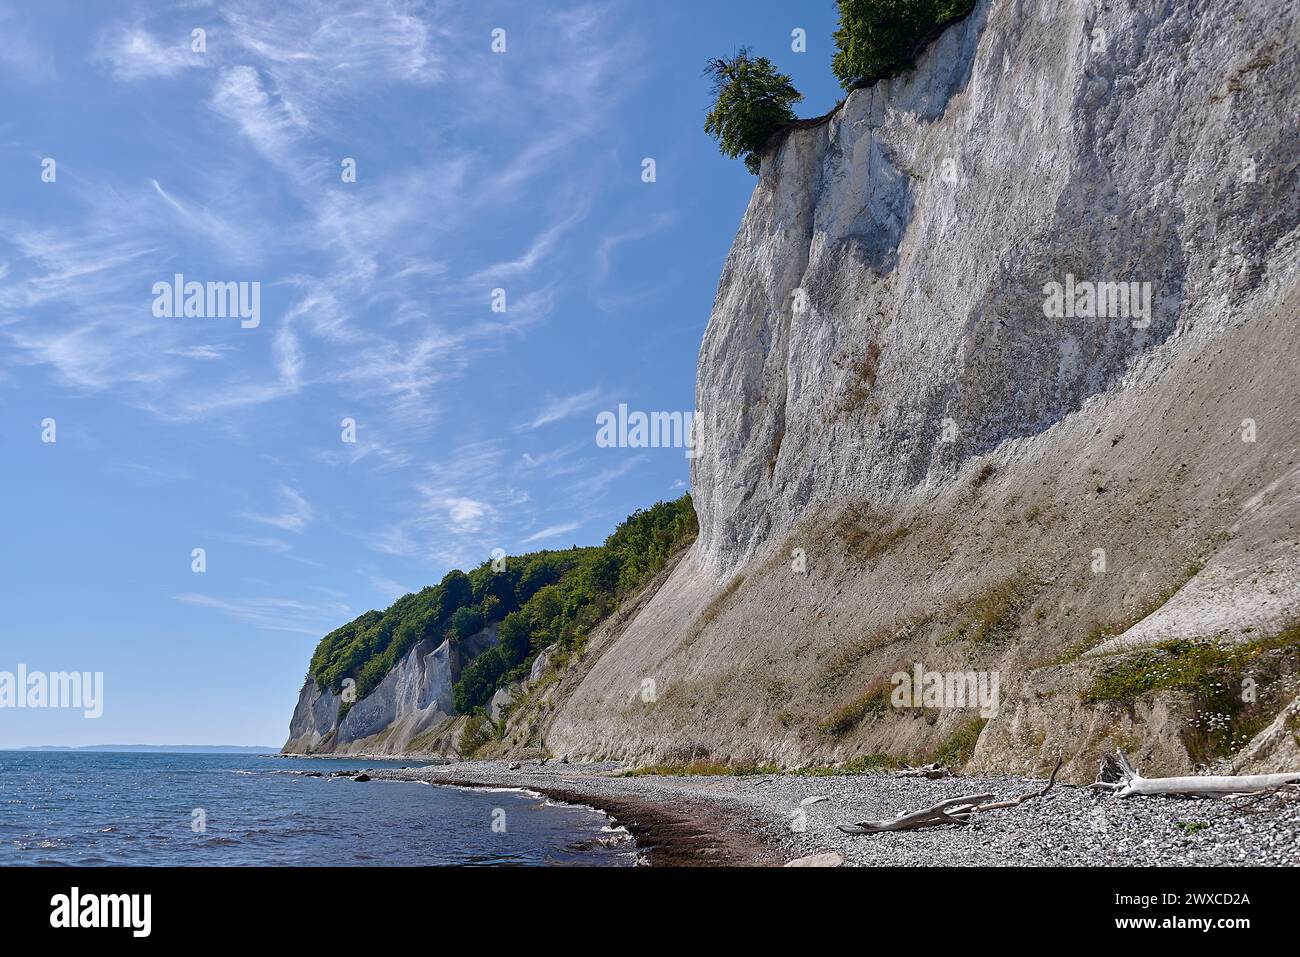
x=747, y=821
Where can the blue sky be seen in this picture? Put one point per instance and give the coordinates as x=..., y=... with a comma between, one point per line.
x=475, y=429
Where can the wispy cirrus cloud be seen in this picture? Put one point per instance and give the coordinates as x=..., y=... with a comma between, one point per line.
x=274, y=614
x=391, y=590
x=295, y=515
x=271, y=125
x=134, y=53
x=319, y=51
x=600, y=482
x=542, y=246
x=204, y=351
x=564, y=407
x=610, y=244
x=458, y=508
x=551, y=531
x=271, y=544
x=374, y=297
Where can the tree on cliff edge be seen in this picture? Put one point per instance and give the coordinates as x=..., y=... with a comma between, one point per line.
x=880, y=38
x=751, y=102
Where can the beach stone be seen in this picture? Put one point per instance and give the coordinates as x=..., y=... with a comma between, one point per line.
x=825, y=859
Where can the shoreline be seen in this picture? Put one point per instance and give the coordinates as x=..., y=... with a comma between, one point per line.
x=766, y=820
x=703, y=836
x=662, y=837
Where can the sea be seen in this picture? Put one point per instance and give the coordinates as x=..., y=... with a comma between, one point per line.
x=94, y=808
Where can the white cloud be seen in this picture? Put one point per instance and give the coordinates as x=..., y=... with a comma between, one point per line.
x=274, y=614
x=603, y=479
x=327, y=50
x=133, y=53
x=466, y=514
x=605, y=251
x=200, y=351
x=562, y=408
x=277, y=545
x=390, y=589
x=458, y=509
x=541, y=248
x=271, y=126
x=554, y=463
x=297, y=513
x=380, y=317
x=234, y=239
x=550, y=532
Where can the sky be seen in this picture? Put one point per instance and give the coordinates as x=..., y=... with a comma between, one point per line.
x=226, y=157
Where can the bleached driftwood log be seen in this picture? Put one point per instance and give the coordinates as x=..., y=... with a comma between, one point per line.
x=930, y=771
x=1118, y=775
x=958, y=810
x=952, y=811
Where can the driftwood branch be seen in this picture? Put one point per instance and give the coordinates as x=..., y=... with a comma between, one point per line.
x=1118, y=776
x=958, y=810
x=952, y=811
x=1016, y=802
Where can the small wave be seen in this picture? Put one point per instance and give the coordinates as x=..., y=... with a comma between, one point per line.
x=43, y=845
x=529, y=792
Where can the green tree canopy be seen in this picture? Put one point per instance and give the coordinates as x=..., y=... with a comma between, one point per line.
x=466, y=621
x=880, y=38
x=751, y=102
x=456, y=591
x=540, y=599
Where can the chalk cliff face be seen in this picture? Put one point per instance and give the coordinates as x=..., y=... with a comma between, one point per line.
x=889, y=274
x=910, y=453
x=912, y=450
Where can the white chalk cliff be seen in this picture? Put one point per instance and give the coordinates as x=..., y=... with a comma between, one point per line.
x=906, y=455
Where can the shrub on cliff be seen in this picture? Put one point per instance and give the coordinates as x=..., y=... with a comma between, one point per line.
x=478, y=681
x=466, y=621
x=751, y=102
x=881, y=38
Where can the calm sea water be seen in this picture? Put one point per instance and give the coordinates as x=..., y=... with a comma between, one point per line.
x=99, y=808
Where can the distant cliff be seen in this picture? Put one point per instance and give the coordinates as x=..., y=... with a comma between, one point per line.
x=396, y=717
x=447, y=658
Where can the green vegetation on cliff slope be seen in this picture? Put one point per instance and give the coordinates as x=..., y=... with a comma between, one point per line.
x=539, y=599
